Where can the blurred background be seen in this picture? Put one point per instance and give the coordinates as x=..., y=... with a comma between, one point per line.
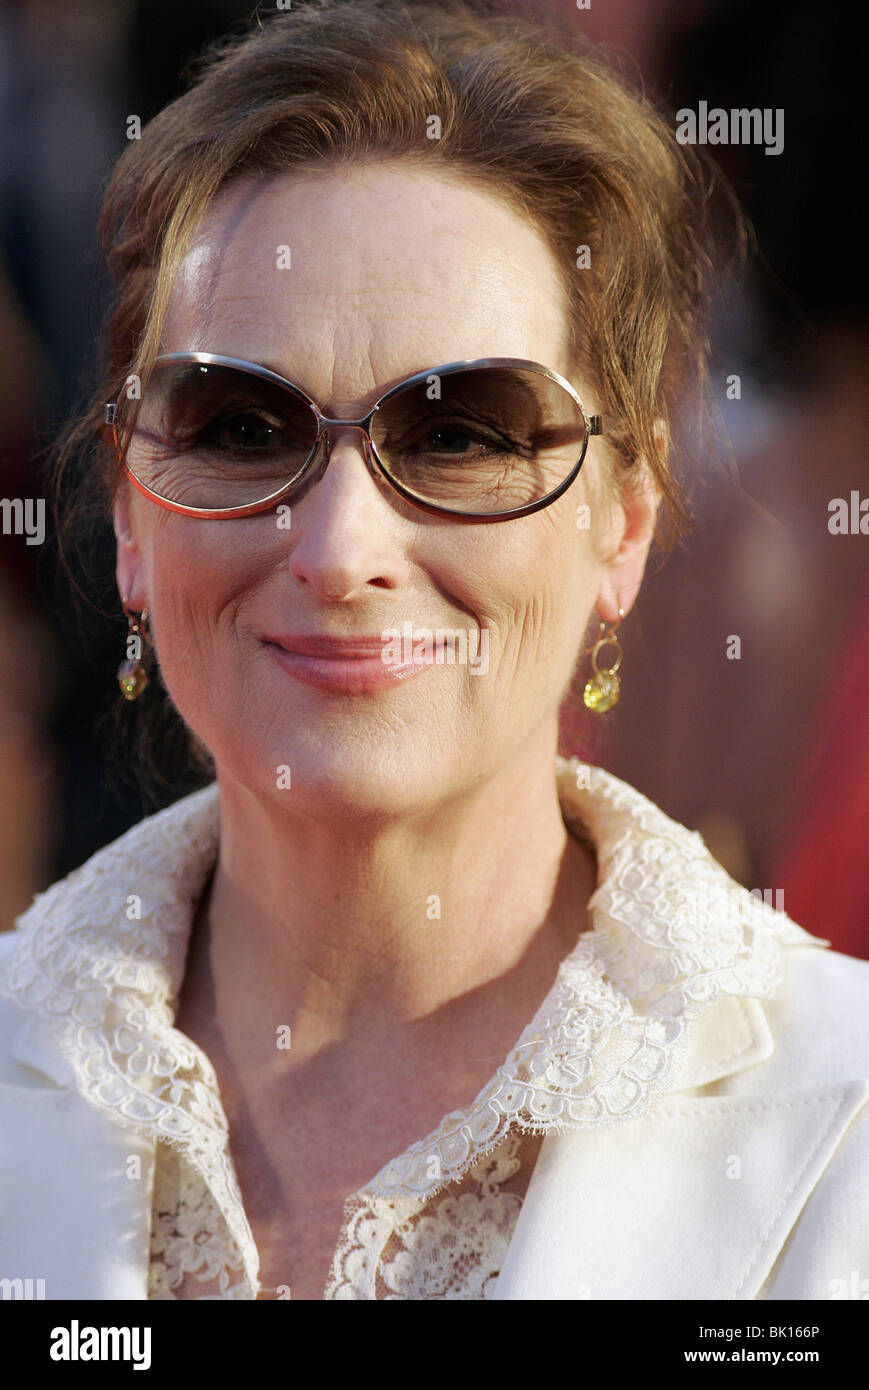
x=766, y=755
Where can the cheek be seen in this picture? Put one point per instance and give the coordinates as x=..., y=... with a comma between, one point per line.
x=200, y=572
x=532, y=583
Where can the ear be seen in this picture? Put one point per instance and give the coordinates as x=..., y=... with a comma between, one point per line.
x=129, y=570
x=638, y=508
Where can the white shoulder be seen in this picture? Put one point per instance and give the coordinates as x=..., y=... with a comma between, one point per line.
x=819, y=1020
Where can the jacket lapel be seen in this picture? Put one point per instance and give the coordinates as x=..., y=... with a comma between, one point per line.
x=82, y=1184
x=707, y=1211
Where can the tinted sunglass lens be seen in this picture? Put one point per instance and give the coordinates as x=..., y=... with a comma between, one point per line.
x=210, y=436
x=481, y=440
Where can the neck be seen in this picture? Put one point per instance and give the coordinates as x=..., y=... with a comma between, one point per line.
x=363, y=933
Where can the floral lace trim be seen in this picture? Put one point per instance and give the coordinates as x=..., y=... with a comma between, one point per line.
x=432, y=1249
x=101, y=955
x=191, y=1247
x=410, y=1248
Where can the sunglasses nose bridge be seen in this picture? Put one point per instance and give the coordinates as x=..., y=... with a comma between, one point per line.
x=326, y=427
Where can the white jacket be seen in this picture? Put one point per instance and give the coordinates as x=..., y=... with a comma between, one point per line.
x=706, y=1069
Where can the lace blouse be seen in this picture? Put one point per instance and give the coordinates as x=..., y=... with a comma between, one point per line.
x=670, y=933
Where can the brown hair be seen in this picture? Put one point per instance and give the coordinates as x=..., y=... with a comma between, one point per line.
x=550, y=127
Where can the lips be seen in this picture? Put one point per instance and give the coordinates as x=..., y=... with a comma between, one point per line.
x=338, y=648
x=340, y=665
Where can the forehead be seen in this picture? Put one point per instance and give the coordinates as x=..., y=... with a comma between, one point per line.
x=356, y=276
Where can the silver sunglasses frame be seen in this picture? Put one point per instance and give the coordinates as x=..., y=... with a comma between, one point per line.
x=594, y=425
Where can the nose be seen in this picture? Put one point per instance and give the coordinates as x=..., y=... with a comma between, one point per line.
x=330, y=431
x=346, y=532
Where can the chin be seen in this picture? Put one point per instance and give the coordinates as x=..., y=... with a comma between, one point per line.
x=348, y=775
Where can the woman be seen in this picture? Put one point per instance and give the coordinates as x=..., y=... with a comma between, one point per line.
x=387, y=1010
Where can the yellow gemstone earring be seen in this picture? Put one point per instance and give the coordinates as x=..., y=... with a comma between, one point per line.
x=132, y=677
x=603, y=689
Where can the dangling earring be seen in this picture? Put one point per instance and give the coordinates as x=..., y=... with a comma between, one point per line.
x=603, y=689
x=131, y=673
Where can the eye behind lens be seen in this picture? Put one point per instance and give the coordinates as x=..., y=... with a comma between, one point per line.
x=481, y=440
x=478, y=440
x=209, y=436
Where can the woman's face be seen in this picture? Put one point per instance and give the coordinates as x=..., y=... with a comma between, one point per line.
x=392, y=270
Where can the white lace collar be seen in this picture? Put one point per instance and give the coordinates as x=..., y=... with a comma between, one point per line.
x=101, y=956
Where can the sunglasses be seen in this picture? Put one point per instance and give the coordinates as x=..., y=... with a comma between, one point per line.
x=213, y=436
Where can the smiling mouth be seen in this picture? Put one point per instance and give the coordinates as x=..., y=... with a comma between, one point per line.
x=359, y=669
